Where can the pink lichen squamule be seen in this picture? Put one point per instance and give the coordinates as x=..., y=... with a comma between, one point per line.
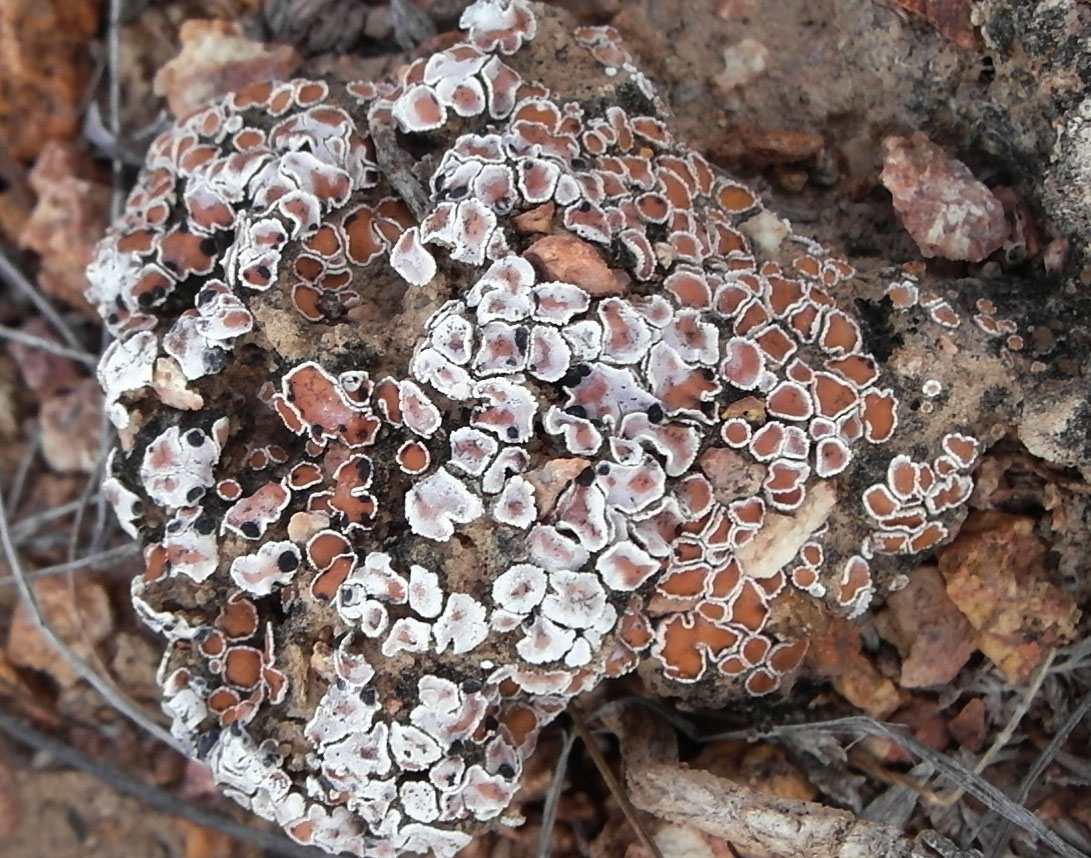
x=381, y=574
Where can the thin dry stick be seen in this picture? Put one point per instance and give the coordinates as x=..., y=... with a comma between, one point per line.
x=1076, y=656
x=103, y=686
x=1005, y=735
x=113, y=63
x=861, y=725
x=1049, y=752
x=14, y=277
x=150, y=795
x=93, y=481
x=614, y=785
x=85, y=499
x=553, y=797
x=106, y=439
x=396, y=165
x=27, y=528
x=22, y=471
x=91, y=562
x=23, y=338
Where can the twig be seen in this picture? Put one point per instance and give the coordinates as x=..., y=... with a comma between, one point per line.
x=614, y=785
x=14, y=277
x=85, y=499
x=1049, y=752
x=106, y=439
x=1076, y=656
x=113, y=64
x=396, y=165
x=103, y=686
x=1005, y=735
x=93, y=562
x=27, y=528
x=22, y=471
x=412, y=26
x=860, y=725
x=1079, y=766
x=152, y=796
x=45, y=345
x=553, y=797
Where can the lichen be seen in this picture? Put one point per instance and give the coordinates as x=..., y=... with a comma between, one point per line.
x=410, y=481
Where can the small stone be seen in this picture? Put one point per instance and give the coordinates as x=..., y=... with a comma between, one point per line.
x=80, y=617
x=766, y=230
x=790, y=180
x=537, y=219
x=71, y=427
x=570, y=259
x=837, y=655
x=753, y=147
x=216, y=59
x=996, y=575
x=70, y=214
x=743, y=62
x=968, y=726
x=943, y=207
x=46, y=67
x=44, y=372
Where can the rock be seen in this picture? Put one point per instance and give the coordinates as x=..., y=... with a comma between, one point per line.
x=81, y=618
x=935, y=640
x=44, y=372
x=766, y=230
x=996, y=575
x=71, y=428
x=415, y=428
x=216, y=59
x=537, y=219
x=71, y=212
x=837, y=656
x=743, y=62
x=764, y=768
x=1057, y=425
x=951, y=18
x=968, y=727
x=754, y=148
x=946, y=210
x=43, y=52
x=570, y=259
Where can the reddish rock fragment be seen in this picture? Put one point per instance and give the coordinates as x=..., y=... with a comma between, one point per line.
x=43, y=372
x=67, y=221
x=81, y=618
x=968, y=727
x=952, y=18
x=947, y=211
x=70, y=428
x=756, y=148
x=537, y=219
x=43, y=52
x=216, y=59
x=934, y=638
x=569, y=259
x=837, y=656
x=996, y=575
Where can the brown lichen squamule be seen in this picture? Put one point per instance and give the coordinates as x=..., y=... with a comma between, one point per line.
x=406, y=488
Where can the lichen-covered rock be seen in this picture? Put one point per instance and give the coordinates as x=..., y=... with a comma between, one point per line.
x=444, y=398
